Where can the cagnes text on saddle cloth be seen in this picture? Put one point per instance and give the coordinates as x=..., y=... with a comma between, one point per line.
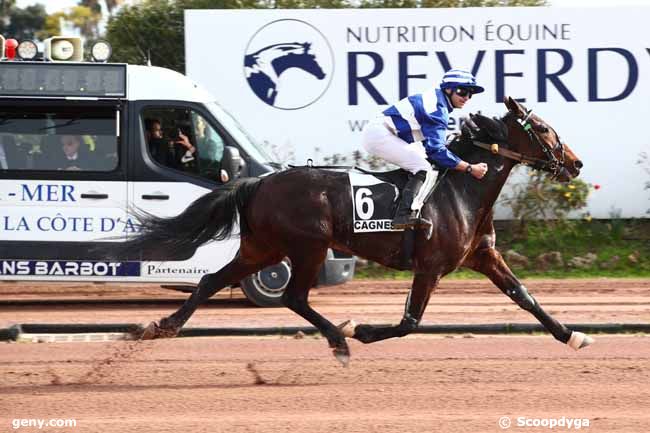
x=373, y=203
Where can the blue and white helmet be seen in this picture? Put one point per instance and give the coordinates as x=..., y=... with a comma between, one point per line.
x=460, y=78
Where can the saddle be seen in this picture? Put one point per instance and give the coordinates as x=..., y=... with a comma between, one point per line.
x=375, y=196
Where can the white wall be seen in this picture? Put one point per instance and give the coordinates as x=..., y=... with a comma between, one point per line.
x=310, y=113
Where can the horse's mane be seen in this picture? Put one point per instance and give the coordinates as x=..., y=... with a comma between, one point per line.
x=480, y=128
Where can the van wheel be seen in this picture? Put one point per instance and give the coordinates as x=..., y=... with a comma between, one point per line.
x=265, y=288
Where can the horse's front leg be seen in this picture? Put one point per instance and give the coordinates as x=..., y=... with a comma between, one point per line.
x=416, y=303
x=489, y=262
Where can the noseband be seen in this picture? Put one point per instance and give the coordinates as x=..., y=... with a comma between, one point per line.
x=551, y=164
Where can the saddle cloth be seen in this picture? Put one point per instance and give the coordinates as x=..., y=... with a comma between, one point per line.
x=374, y=199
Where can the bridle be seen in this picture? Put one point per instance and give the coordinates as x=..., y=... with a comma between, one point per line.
x=551, y=164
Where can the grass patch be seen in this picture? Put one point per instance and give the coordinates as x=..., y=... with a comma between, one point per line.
x=619, y=249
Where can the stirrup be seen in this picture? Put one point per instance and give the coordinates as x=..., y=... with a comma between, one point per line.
x=412, y=222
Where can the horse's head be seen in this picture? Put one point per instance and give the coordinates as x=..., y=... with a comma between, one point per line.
x=304, y=59
x=533, y=139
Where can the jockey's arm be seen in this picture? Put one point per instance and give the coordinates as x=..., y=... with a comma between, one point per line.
x=439, y=154
x=434, y=129
x=434, y=144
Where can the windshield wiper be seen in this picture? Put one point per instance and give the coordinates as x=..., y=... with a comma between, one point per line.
x=63, y=125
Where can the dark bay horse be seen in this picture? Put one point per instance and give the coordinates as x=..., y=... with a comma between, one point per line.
x=301, y=212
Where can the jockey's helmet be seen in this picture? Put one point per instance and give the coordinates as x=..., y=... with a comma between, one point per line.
x=454, y=78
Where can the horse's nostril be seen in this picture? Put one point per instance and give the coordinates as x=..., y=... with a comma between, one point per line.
x=578, y=164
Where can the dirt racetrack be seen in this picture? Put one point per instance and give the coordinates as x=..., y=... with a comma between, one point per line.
x=460, y=383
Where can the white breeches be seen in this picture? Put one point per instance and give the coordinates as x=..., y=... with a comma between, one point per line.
x=379, y=141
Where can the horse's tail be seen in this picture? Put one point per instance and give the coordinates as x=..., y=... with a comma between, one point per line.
x=210, y=217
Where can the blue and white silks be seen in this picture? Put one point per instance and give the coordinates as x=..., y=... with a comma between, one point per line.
x=423, y=117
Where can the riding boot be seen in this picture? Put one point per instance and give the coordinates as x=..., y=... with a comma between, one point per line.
x=405, y=218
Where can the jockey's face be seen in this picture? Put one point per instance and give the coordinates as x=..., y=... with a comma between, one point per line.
x=459, y=96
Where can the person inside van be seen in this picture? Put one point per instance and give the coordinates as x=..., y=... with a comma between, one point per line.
x=210, y=146
x=176, y=153
x=72, y=155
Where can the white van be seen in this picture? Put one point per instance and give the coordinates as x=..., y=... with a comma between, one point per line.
x=81, y=143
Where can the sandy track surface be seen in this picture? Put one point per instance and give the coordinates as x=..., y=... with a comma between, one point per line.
x=415, y=384
x=471, y=301
x=422, y=384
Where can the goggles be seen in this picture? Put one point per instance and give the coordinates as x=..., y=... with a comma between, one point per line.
x=463, y=92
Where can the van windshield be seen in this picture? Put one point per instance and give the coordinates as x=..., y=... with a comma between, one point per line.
x=58, y=138
x=235, y=129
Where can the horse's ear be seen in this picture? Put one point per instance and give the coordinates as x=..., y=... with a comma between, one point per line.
x=493, y=128
x=514, y=106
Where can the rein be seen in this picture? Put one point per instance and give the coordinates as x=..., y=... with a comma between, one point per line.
x=551, y=164
x=519, y=157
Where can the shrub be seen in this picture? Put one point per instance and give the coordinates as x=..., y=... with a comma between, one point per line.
x=540, y=197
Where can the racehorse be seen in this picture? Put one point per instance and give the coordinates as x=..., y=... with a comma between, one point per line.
x=301, y=212
x=264, y=67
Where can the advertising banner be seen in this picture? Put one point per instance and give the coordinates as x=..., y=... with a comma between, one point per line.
x=307, y=81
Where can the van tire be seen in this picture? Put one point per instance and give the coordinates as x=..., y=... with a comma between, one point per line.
x=265, y=288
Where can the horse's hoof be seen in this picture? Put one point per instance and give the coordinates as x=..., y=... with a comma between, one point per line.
x=342, y=354
x=347, y=328
x=150, y=332
x=578, y=340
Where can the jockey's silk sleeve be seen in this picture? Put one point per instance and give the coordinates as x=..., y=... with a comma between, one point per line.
x=424, y=117
x=440, y=154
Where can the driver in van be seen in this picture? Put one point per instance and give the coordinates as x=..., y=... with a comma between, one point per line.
x=175, y=153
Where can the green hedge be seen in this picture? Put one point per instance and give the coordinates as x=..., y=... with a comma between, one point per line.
x=588, y=248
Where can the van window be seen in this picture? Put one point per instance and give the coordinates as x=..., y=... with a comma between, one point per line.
x=52, y=139
x=184, y=140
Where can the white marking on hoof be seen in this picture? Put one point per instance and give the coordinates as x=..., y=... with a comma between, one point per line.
x=578, y=340
x=347, y=328
x=150, y=332
x=342, y=356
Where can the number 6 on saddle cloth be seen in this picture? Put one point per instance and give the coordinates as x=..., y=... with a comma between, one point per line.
x=375, y=196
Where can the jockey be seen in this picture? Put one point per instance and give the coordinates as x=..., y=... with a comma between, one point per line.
x=411, y=134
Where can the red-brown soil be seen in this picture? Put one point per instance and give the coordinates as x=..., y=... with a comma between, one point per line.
x=460, y=383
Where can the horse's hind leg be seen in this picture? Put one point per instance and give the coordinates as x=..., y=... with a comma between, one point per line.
x=305, y=267
x=209, y=284
x=416, y=303
x=489, y=262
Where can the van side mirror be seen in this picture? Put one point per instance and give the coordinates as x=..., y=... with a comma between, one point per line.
x=232, y=164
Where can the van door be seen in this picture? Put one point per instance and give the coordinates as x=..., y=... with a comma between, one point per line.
x=63, y=188
x=177, y=159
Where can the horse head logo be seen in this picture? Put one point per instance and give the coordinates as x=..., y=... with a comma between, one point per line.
x=287, y=74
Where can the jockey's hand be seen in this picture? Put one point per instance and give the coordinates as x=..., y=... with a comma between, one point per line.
x=479, y=170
